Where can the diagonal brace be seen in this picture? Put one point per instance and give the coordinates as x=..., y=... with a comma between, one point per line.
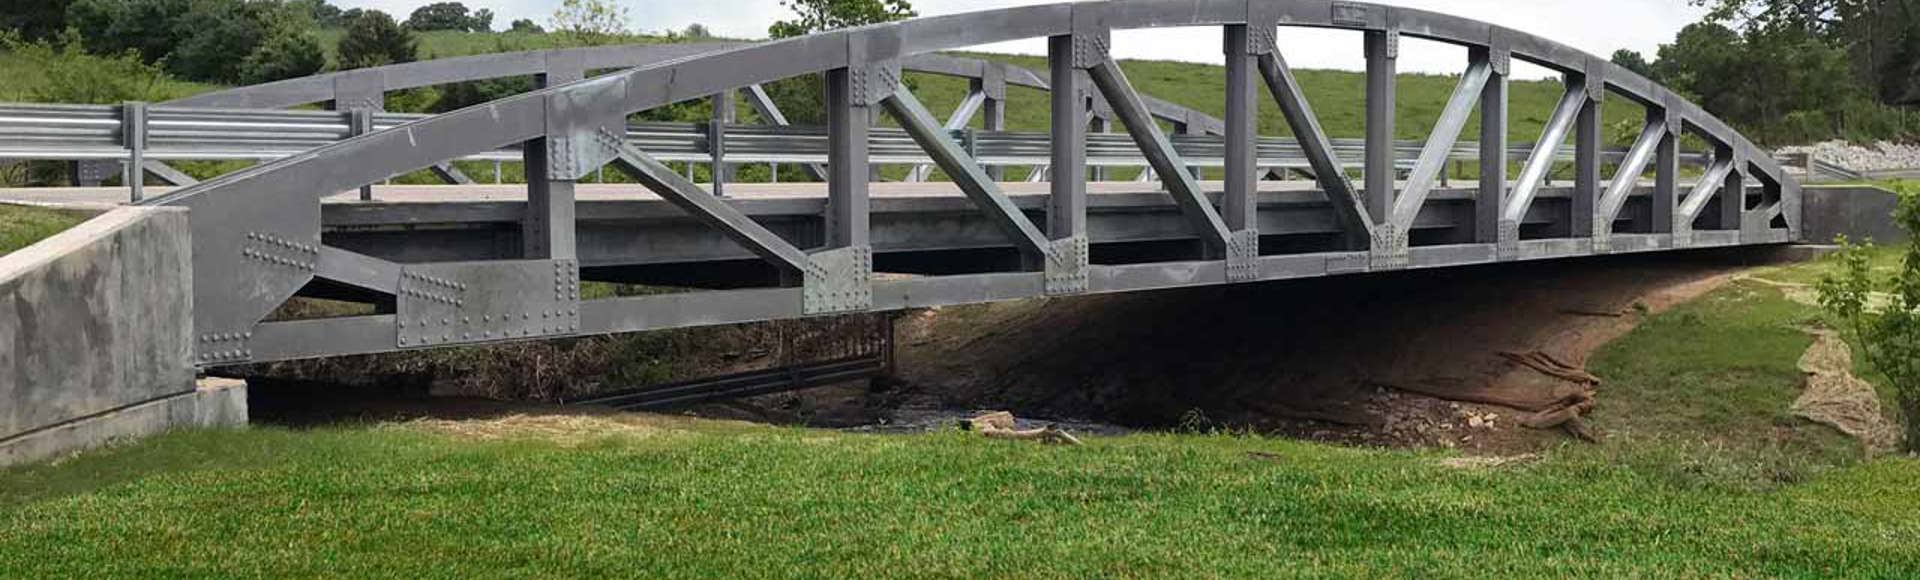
x=1709, y=185
x=1628, y=175
x=962, y=115
x=1552, y=138
x=710, y=209
x=1348, y=206
x=1159, y=152
x=966, y=173
x=1446, y=132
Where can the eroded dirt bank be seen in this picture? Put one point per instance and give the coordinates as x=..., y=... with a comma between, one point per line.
x=1432, y=358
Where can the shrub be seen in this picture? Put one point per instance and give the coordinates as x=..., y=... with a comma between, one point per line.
x=286, y=54
x=62, y=71
x=1890, y=334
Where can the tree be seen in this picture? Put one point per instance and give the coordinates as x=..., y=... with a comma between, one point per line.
x=287, y=53
x=34, y=19
x=116, y=26
x=440, y=16
x=696, y=31
x=526, y=26
x=1889, y=336
x=812, y=16
x=215, y=37
x=802, y=98
x=1880, y=35
x=1633, y=61
x=482, y=21
x=374, y=39
x=324, y=14
x=590, y=22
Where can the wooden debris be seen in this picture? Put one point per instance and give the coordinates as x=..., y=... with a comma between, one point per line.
x=1567, y=416
x=1546, y=363
x=1001, y=425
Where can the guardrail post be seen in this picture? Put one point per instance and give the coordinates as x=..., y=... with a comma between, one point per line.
x=133, y=134
x=723, y=115
x=993, y=84
x=360, y=122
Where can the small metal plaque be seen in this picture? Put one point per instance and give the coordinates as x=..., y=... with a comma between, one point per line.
x=1351, y=14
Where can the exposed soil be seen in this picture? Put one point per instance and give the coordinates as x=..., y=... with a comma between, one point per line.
x=1429, y=358
x=1455, y=358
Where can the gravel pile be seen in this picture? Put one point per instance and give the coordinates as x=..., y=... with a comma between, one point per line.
x=1881, y=156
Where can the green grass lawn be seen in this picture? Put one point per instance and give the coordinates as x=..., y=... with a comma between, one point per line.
x=1702, y=474
x=21, y=225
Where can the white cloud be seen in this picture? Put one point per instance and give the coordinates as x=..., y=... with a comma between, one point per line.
x=1596, y=26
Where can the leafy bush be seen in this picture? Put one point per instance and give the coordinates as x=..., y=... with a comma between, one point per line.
x=450, y=16
x=206, y=40
x=62, y=71
x=1889, y=332
x=374, y=39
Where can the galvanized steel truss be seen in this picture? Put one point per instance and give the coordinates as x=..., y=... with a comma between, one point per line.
x=257, y=233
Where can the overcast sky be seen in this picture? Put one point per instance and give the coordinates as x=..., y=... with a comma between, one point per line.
x=1596, y=26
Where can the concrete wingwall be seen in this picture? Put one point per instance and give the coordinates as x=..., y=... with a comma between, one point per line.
x=1859, y=212
x=96, y=325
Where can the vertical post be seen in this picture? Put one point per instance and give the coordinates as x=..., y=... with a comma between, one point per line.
x=1240, y=207
x=994, y=110
x=133, y=134
x=723, y=115
x=546, y=229
x=1733, y=195
x=1493, y=148
x=1586, y=155
x=1666, y=169
x=1067, y=206
x=1383, y=55
x=848, y=118
x=360, y=120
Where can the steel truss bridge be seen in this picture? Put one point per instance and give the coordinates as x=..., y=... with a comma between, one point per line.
x=477, y=263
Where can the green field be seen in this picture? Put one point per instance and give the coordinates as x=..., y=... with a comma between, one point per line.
x=1702, y=474
x=21, y=225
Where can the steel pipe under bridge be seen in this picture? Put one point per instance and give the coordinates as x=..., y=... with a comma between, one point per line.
x=263, y=235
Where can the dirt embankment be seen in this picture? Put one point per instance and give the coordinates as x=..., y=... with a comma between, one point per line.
x=1454, y=357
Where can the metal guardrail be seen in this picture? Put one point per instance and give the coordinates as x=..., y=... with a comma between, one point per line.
x=110, y=132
